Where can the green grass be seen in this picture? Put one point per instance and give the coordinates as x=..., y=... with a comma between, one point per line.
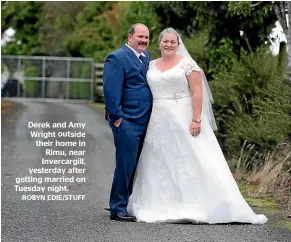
x=283, y=224
x=266, y=205
x=287, y=224
x=249, y=193
x=261, y=202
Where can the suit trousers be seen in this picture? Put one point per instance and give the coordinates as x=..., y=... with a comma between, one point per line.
x=128, y=140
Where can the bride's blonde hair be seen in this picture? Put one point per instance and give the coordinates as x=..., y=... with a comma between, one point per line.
x=169, y=31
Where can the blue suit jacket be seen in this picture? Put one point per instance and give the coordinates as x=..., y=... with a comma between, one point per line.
x=126, y=92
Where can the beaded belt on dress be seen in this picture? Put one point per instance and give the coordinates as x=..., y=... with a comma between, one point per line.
x=174, y=97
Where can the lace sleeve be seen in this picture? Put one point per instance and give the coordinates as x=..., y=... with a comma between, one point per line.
x=190, y=65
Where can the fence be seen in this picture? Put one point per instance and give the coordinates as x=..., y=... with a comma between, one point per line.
x=50, y=77
x=99, y=82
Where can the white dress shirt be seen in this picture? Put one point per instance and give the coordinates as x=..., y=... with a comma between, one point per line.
x=136, y=53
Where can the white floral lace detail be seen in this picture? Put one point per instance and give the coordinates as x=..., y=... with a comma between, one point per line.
x=190, y=65
x=172, y=83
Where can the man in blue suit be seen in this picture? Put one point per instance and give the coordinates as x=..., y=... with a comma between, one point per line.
x=128, y=104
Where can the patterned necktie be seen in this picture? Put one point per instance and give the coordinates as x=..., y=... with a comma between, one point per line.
x=142, y=59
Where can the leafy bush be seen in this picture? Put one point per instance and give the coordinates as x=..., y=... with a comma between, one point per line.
x=252, y=103
x=195, y=45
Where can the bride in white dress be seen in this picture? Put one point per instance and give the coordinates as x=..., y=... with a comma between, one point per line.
x=182, y=174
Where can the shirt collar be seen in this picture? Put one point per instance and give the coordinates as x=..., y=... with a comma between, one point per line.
x=135, y=52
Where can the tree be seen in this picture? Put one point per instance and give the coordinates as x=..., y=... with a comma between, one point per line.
x=223, y=28
x=134, y=12
x=92, y=36
x=282, y=9
x=101, y=28
x=26, y=19
x=59, y=22
x=283, y=13
x=252, y=103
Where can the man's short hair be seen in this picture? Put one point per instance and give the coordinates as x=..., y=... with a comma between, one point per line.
x=132, y=28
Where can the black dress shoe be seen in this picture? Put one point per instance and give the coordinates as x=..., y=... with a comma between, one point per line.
x=123, y=217
x=107, y=209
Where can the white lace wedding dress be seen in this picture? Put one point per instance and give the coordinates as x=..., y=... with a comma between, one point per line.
x=180, y=177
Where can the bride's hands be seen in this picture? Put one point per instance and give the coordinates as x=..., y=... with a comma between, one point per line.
x=195, y=128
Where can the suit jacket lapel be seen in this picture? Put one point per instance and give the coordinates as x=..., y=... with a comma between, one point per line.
x=135, y=59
